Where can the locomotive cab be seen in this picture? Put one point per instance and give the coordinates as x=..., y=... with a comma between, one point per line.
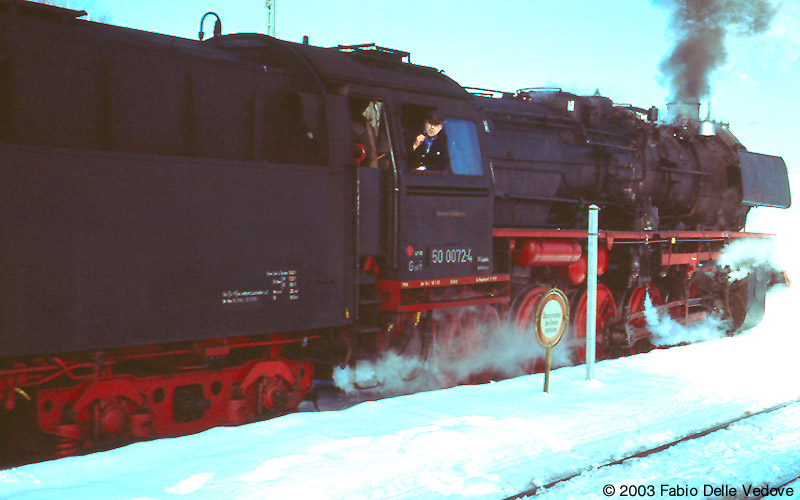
x=414, y=228
x=446, y=213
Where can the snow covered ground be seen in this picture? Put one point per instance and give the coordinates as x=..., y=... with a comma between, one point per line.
x=746, y=457
x=494, y=440
x=484, y=442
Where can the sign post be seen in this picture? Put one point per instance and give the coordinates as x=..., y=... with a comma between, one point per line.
x=552, y=317
x=591, y=292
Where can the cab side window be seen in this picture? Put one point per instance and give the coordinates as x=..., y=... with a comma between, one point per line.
x=435, y=142
x=462, y=143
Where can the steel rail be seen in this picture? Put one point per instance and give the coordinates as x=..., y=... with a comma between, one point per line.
x=724, y=425
x=777, y=486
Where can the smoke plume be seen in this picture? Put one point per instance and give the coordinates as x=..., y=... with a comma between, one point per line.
x=700, y=27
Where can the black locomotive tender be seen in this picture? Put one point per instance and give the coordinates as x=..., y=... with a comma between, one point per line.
x=189, y=229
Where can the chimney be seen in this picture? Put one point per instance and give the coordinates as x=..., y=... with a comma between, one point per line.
x=683, y=113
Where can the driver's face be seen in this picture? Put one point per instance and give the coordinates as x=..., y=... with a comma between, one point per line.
x=432, y=130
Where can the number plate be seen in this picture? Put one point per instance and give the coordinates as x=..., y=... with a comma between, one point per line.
x=438, y=256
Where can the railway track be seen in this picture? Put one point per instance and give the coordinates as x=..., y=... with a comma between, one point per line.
x=782, y=486
x=609, y=490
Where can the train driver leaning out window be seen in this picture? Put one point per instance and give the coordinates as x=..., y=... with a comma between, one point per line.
x=429, y=151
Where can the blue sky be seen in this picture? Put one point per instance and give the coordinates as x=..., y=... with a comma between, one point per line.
x=579, y=45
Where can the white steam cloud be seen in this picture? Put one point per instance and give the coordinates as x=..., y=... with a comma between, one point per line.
x=743, y=257
x=504, y=351
x=665, y=331
x=746, y=255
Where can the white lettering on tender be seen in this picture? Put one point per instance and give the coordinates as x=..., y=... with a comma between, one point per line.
x=281, y=283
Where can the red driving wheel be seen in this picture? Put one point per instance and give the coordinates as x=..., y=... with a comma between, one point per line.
x=606, y=318
x=524, y=316
x=461, y=333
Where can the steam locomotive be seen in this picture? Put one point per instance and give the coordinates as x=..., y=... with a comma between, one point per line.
x=189, y=229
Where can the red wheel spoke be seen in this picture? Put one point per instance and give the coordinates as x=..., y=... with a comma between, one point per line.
x=523, y=316
x=606, y=317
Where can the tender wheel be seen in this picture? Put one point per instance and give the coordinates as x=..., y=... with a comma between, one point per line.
x=606, y=319
x=23, y=441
